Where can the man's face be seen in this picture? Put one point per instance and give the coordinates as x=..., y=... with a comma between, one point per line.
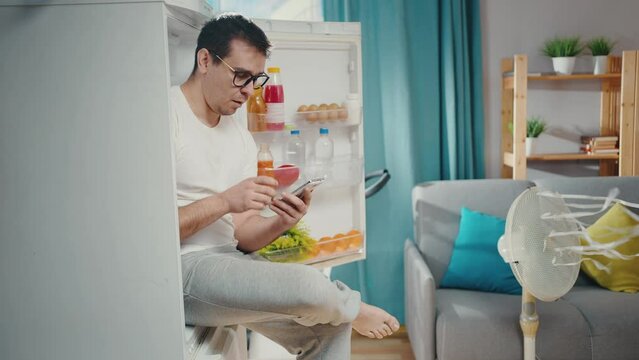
x=221, y=95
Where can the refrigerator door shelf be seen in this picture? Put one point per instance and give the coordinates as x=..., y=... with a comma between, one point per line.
x=215, y=343
x=198, y=10
x=317, y=28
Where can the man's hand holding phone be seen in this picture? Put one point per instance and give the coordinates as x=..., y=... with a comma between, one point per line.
x=309, y=184
x=291, y=207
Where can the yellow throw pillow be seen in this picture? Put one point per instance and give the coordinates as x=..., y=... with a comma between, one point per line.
x=624, y=274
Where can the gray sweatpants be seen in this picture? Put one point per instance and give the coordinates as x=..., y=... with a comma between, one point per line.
x=293, y=305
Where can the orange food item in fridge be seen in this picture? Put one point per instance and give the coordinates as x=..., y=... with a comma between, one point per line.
x=356, y=238
x=326, y=245
x=342, y=242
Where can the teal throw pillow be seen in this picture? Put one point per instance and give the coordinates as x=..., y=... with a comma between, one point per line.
x=475, y=263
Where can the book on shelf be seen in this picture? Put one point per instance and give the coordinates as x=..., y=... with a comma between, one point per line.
x=599, y=144
x=552, y=73
x=599, y=139
x=510, y=74
x=607, y=144
x=605, y=151
x=587, y=149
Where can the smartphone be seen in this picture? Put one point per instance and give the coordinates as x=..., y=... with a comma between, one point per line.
x=310, y=184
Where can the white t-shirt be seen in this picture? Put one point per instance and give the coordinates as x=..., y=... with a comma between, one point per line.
x=208, y=161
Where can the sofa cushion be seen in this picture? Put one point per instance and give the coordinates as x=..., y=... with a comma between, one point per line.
x=480, y=325
x=614, y=225
x=593, y=186
x=475, y=263
x=613, y=319
x=436, y=213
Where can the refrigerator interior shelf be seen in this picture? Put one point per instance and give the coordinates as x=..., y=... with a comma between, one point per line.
x=326, y=248
x=344, y=171
x=260, y=130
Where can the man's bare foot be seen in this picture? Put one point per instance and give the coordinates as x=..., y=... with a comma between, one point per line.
x=374, y=322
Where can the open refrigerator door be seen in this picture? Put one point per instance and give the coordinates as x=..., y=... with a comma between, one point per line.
x=320, y=69
x=319, y=65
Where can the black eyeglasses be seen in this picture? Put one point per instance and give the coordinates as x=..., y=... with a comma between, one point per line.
x=243, y=78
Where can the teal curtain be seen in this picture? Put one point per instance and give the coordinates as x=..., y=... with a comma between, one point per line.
x=423, y=110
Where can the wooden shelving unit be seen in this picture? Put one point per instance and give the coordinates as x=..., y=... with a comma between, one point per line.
x=619, y=115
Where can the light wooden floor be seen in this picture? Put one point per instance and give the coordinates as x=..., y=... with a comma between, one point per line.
x=394, y=347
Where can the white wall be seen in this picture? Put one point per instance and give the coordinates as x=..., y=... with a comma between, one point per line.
x=571, y=109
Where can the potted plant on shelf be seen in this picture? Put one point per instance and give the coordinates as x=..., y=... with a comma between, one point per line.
x=534, y=127
x=600, y=48
x=563, y=51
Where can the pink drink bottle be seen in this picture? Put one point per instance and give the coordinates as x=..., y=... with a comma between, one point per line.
x=274, y=99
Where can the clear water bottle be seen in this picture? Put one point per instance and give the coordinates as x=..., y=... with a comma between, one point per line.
x=324, y=153
x=296, y=150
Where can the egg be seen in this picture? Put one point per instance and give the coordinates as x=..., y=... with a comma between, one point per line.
x=332, y=111
x=302, y=108
x=323, y=112
x=312, y=117
x=342, y=113
x=312, y=113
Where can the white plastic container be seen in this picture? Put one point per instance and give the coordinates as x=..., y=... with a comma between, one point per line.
x=354, y=108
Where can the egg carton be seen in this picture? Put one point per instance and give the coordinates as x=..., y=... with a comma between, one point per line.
x=322, y=113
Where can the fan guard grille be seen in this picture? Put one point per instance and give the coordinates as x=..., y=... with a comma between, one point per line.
x=533, y=251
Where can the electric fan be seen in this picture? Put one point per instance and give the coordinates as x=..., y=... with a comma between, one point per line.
x=533, y=244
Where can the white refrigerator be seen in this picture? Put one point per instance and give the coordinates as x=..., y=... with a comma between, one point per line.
x=89, y=246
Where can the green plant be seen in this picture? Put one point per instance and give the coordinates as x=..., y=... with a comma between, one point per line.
x=563, y=47
x=600, y=46
x=535, y=126
x=295, y=244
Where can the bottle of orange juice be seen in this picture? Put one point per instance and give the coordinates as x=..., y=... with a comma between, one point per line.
x=265, y=161
x=256, y=111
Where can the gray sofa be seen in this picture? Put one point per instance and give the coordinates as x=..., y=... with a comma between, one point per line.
x=589, y=322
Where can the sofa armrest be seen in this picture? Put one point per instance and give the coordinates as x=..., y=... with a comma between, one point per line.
x=419, y=286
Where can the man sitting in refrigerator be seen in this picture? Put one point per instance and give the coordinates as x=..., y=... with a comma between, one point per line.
x=219, y=200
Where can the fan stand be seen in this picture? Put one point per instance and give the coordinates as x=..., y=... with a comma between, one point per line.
x=529, y=322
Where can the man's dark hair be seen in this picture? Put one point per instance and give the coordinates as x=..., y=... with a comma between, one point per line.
x=217, y=34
